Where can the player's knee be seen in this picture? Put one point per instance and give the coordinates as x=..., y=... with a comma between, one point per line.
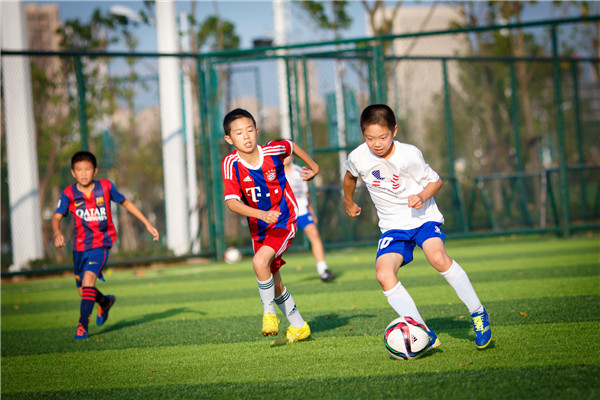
x=384, y=276
x=260, y=263
x=440, y=260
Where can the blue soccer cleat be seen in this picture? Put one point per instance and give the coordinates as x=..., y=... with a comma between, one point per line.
x=481, y=326
x=433, y=341
x=81, y=332
x=103, y=311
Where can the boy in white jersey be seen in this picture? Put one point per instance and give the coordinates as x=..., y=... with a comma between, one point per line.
x=402, y=187
x=306, y=219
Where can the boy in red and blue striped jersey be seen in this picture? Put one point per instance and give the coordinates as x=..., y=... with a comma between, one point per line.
x=256, y=187
x=88, y=200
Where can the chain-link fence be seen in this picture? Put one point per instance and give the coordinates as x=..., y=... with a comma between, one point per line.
x=508, y=116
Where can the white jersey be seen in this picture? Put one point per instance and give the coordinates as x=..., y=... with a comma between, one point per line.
x=299, y=187
x=391, y=181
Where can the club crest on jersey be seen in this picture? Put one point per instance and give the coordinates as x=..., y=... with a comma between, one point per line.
x=271, y=174
x=99, y=201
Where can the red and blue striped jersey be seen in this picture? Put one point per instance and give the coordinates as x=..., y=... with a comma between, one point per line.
x=262, y=186
x=91, y=214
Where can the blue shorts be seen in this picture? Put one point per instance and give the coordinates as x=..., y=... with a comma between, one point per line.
x=92, y=260
x=304, y=220
x=403, y=242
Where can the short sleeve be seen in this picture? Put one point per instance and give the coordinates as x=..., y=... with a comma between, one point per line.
x=115, y=195
x=62, y=207
x=351, y=167
x=420, y=170
x=232, y=189
x=285, y=146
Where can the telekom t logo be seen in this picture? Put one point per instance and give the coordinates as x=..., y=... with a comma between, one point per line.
x=253, y=192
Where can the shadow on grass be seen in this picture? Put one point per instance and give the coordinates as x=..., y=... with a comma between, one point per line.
x=147, y=318
x=458, y=329
x=326, y=322
x=315, y=278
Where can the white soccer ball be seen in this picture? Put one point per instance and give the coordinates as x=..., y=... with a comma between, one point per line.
x=232, y=255
x=405, y=338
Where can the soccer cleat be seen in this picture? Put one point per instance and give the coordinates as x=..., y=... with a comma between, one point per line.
x=433, y=341
x=270, y=324
x=327, y=276
x=483, y=331
x=81, y=332
x=294, y=335
x=103, y=312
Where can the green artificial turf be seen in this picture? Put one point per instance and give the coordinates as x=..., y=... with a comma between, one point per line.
x=194, y=331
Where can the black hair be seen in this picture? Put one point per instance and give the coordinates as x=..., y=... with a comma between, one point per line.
x=377, y=114
x=233, y=115
x=83, y=156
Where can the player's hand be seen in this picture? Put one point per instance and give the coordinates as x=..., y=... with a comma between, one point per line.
x=353, y=210
x=271, y=216
x=153, y=231
x=59, y=240
x=307, y=174
x=415, y=201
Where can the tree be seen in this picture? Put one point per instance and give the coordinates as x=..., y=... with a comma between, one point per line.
x=56, y=111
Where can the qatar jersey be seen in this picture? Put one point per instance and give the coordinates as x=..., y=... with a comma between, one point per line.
x=391, y=181
x=262, y=186
x=91, y=214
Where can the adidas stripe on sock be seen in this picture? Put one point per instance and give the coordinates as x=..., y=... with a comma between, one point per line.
x=286, y=304
x=266, y=290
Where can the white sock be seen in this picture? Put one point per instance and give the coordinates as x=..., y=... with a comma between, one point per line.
x=266, y=290
x=286, y=304
x=402, y=303
x=458, y=279
x=321, y=267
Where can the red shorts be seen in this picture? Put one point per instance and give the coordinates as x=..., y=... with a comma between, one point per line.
x=279, y=240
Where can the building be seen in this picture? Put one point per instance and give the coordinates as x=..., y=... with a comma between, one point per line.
x=413, y=85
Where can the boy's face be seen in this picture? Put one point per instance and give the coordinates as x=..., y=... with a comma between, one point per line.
x=379, y=139
x=84, y=172
x=242, y=135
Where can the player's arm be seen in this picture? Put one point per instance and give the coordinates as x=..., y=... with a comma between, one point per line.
x=129, y=206
x=59, y=239
x=236, y=206
x=416, y=200
x=312, y=170
x=352, y=209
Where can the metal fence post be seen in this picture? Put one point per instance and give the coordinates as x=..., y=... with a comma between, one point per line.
x=81, y=94
x=450, y=143
x=214, y=138
x=206, y=153
x=564, y=189
x=579, y=133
